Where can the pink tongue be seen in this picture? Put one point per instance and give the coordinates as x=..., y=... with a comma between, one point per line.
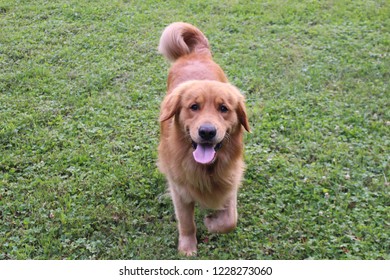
x=204, y=154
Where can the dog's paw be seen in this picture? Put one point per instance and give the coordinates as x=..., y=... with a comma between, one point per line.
x=188, y=253
x=220, y=222
x=187, y=246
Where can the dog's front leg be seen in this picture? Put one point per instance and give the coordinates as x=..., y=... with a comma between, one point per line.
x=186, y=224
x=224, y=220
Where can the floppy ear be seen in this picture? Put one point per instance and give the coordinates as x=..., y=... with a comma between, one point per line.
x=170, y=106
x=241, y=113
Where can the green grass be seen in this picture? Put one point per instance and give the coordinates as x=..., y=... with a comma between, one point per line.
x=80, y=88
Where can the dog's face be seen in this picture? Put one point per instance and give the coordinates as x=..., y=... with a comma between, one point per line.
x=208, y=112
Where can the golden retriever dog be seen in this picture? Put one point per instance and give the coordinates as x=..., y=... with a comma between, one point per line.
x=202, y=121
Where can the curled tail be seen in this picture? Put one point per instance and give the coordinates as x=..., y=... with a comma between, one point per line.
x=180, y=39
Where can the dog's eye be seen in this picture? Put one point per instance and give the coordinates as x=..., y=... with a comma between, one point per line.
x=223, y=109
x=194, y=107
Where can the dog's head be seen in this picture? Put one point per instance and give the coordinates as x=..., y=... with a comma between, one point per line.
x=208, y=112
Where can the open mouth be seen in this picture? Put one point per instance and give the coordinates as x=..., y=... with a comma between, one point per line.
x=205, y=153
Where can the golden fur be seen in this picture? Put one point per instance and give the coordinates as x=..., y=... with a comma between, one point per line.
x=201, y=143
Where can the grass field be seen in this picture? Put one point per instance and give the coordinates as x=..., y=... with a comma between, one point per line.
x=80, y=87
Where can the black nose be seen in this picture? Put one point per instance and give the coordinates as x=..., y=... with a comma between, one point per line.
x=207, y=131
